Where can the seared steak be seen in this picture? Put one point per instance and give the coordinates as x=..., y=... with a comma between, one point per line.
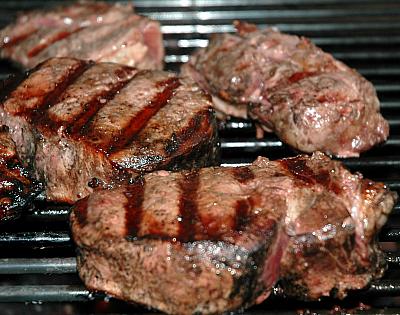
x=291, y=87
x=17, y=189
x=76, y=122
x=216, y=239
x=86, y=30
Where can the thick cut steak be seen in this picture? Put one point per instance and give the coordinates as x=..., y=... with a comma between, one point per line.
x=76, y=122
x=17, y=189
x=291, y=87
x=87, y=30
x=216, y=239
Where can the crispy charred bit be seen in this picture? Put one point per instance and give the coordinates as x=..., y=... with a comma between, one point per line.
x=217, y=239
x=312, y=101
x=74, y=120
x=17, y=188
x=92, y=31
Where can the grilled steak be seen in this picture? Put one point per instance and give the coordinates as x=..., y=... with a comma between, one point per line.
x=17, y=189
x=291, y=87
x=94, y=31
x=216, y=239
x=76, y=122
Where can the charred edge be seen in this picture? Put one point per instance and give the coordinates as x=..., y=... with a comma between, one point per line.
x=206, y=152
x=298, y=167
x=9, y=185
x=248, y=285
x=10, y=84
x=194, y=126
x=80, y=211
x=60, y=36
x=134, y=209
x=17, y=39
x=91, y=109
x=242, y=174
x=40, y=116
x=140, y=120
x=15, y=196
x=188, y=206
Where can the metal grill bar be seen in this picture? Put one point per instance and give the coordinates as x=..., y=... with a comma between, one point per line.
x=339, y=55
x=46, y=293
x=38, y=239
x=266, y=143
x=297, y=28
x=320, y=41
x=40, y=265
x=270, y=14
x=78, y=293
x=241, y=124
x=156, y=4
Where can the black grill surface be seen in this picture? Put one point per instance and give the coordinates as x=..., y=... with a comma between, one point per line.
x=37, y=264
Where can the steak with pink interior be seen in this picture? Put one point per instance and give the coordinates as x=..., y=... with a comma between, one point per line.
x=291, y=87
x=87, y=30
x=77, y=122
x=217, y=239
x=17, y=188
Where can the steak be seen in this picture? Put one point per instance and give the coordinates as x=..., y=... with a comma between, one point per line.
x=87, y=30
x=76, y=122
x=291, y=87
x=17, y=189
x=217, y=239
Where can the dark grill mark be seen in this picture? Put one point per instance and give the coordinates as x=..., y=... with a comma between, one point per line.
x=80, y=211
x=39, y=115
x=298, y=167
x=17, y=39
x=324, y=178
x=133, y=209
x=242, y=174
x=90, y=109
x=300, y=76
x=61, y=35
x=188, y=206
x=300, y=170
x=243, y=208
x=140, y=120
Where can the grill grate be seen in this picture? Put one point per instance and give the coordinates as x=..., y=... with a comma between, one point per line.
x=37, y=251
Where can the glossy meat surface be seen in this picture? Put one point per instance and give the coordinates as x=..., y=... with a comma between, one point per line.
x=216, y=239
x=291, y=87
x=76, y=122
x=87, y=30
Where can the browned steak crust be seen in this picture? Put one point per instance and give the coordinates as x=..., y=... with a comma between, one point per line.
x=87, y=30
x=74, y=120
x=216, y=239
x=291, y=87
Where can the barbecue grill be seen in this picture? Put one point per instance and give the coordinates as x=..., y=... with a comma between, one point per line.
x=37, y=258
